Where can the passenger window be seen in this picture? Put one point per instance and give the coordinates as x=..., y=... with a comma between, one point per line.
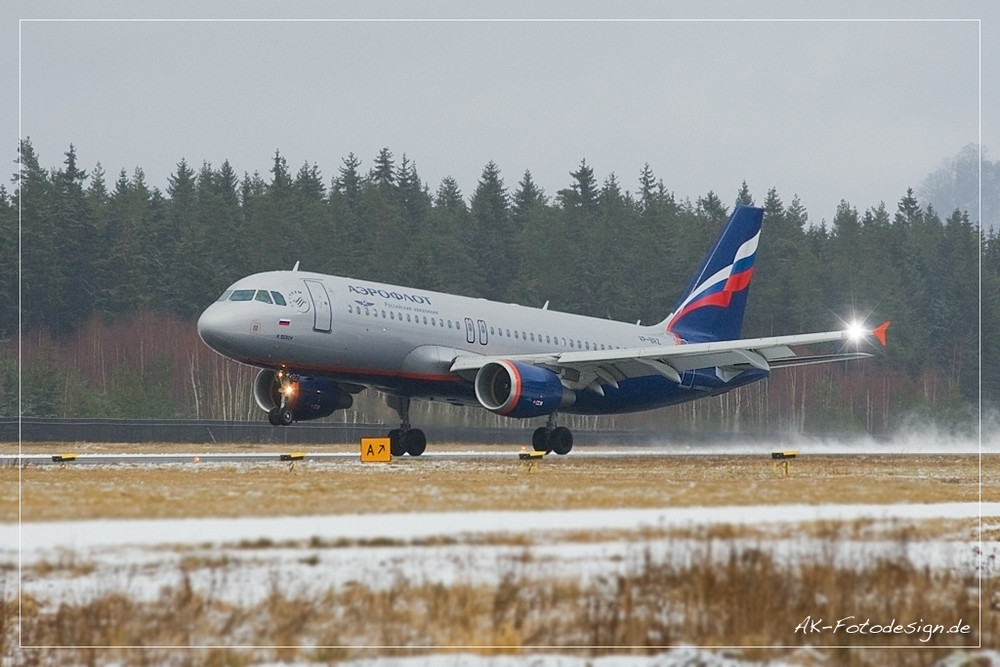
x=278, y=298
x=242, y=295
x=263, y=296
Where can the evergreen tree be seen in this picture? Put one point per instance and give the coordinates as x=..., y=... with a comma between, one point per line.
x=8, y=271
x=527, y=199
x=491, y=217
x=348, y=182
x=744, y=196
x=648, y=189
x=184, y=243
x=383, y=174
x=447, y=262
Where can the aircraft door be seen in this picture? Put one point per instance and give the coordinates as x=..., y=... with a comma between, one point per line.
x=483, y=340
x=470, y=330
x=322, y=312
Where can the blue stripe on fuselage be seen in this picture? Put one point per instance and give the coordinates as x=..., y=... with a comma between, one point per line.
x=632, y=395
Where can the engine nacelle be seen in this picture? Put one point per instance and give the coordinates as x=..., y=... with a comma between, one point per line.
x=306, y=397
x=516, y=389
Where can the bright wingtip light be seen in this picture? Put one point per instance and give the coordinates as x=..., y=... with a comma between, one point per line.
x=855, y=331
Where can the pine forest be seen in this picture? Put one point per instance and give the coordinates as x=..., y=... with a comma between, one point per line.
x=106, y=276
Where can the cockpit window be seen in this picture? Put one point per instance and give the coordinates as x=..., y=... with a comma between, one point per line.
x=242, y=295
x=262, y=295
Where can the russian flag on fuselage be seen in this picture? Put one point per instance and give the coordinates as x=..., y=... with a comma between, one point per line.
x=712, y=306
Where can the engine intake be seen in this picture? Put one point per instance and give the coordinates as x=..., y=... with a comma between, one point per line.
x=516, y=389
x=306, y=397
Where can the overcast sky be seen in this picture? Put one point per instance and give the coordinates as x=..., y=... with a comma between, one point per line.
x=825, y=109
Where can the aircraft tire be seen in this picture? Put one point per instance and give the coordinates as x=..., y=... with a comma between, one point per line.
x=540, y=440
x=561, y=440
x=272, y=417
x=415, y=442
x=396, y=445
x=285, y=417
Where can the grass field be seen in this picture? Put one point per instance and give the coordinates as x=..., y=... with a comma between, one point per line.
x=73, y=491
x=735, y=587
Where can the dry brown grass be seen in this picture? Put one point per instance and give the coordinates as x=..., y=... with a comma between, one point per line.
x=743, y=597
x=748, y=599
x=75, y=491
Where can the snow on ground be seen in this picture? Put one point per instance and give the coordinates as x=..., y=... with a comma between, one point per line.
x=241, y=560
x=36, y=538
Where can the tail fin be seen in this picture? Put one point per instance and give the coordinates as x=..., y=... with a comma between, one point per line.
x=712, y=306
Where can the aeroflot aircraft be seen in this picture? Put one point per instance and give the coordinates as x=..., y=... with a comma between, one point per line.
x=319, y=339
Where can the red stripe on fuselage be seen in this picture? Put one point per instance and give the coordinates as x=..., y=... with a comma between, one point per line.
x=339, y=370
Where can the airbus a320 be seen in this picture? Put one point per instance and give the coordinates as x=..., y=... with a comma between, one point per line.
x=319, y=339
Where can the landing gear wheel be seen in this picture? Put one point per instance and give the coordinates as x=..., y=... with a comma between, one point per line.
x=396, y=444
x=540, y=440
x=415, y=442
x=280, y=417
x=561, y=440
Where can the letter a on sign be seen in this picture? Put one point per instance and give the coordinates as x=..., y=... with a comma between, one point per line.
x=375, y=450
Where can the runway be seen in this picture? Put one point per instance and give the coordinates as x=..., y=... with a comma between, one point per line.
x=120, y=454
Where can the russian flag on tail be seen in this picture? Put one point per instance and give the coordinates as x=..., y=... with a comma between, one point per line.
x=713, y=304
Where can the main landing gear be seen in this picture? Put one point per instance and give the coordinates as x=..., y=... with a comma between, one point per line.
x=405, y=440
x=552, y=438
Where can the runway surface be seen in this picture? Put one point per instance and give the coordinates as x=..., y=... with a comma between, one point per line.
x=72, y=455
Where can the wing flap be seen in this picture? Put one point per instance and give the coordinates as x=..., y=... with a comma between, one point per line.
x=609, y=367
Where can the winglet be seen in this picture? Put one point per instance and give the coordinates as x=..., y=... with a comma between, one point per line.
x=879, y=332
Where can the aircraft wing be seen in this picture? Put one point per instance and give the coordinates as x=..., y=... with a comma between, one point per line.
x=594, y=368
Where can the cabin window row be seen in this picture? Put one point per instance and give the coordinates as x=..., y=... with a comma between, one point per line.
x=574, y=344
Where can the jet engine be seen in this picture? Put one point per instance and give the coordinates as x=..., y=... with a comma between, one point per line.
x=516, y=389
x=287, y=398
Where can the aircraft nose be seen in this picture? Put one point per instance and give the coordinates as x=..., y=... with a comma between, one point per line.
x=213, y=327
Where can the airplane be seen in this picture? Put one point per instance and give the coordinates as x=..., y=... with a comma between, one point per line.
x=319, y=339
